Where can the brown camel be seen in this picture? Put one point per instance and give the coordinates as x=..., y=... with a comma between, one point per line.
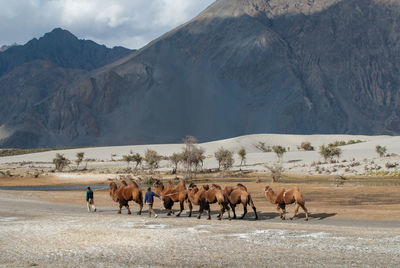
x=215, y=194
x=240, y=195
x=286, y=197
x=125, y=193
x=196, y=197
x=171, y=194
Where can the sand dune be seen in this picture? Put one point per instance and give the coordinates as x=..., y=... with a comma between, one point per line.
x=294, y=159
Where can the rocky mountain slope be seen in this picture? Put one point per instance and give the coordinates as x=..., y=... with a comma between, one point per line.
x=241, y=66
x=31, y=73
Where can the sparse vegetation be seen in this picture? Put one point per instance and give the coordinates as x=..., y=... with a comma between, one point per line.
x=329, y=152
x=279, y=151
x=306, y=146
x=127, y=158
x=242, y=154
x=175, y=159
x=152, y=159
x=261, y=146
x=138, y=159
x=60, y=161
x=381, y=150
x=79, y=159
x=276, y=171
x=224, y=158
x=192, y=155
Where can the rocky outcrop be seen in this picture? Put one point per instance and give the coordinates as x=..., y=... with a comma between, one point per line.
x=240, y=67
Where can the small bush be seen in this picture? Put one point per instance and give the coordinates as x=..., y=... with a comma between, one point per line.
x=391, y=165
x=306, y=146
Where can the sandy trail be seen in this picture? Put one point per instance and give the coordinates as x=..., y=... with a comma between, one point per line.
x=63, y=235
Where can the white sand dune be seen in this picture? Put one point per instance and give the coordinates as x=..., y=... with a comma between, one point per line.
x=294, y=159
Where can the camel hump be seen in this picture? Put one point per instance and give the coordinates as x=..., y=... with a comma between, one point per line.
x=206, y=187
x=124, y=183
x=217, y=186
x=133, y=183
x=242, y=186
x=296, y=188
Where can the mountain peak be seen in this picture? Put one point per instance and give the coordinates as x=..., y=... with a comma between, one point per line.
x=60, y=34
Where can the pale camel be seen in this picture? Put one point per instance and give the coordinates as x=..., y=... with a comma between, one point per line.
x=285, y=197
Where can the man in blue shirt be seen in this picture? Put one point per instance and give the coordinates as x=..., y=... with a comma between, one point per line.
x=149, y=199
x=89, y=200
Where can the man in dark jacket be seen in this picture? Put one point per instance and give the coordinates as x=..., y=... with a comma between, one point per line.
x=149, y=199
x=89, y=200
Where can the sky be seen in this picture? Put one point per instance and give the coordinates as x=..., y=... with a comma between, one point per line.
x=128, y=23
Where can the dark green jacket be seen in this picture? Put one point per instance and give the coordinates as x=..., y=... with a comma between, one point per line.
x=89, y=195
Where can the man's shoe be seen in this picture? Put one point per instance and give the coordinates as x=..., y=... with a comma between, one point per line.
x=155, y=216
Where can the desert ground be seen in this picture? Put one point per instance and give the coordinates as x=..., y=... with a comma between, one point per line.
x=354, y=222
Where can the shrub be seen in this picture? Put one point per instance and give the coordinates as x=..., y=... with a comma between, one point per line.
x=224, y=158
x=127, y=158
x=329, y=152
x=279, y=151
x=79, y=159
x=242, y=155
x=306, y=146
x=138, y=159
x=60, y=162
x=381, y=150
x=261, y=146
x=152, y=159
x=276, y=172
x=391, y=165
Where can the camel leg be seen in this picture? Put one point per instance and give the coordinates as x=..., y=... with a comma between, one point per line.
x=221, y=212
x=296, y=209
x=120, y=208
x=169, y=212
x=129, y=211
x=305, y=210
x=283, y=214
x=181, y=207
x=278, y=208
x=200, y=211
x=229, y=211
x=140, y=209
x=233, y=210
x=244, y=210
x=209, y=213
x=190, y=209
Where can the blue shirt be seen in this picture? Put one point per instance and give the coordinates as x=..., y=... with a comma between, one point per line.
x=89, y=195
x=149, y=197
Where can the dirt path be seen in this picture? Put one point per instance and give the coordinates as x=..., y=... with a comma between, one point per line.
x=63, y=235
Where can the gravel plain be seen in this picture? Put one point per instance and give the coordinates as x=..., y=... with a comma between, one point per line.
x=44, y=234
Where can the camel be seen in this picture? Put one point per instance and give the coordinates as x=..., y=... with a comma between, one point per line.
x=171, y=194
x=196, y=196
x=125, y=193
x=286, y=197
x=239, y=195
x=215, y=194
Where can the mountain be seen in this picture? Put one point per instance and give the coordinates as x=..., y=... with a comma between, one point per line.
x=32, y=72
x=239, y=67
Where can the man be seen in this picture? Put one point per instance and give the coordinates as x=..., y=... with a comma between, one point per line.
x=89, y=200
x=149, y=199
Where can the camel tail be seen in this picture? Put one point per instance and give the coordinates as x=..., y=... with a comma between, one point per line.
x=250, y=201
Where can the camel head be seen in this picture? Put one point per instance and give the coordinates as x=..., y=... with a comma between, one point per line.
x=216, y=186
x=158, y=186
x=113, y=189
x=123, y=183
x=206, y=187
x=192, y=186
x=267, y=188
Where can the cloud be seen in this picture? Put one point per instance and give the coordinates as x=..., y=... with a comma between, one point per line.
x=131, y=23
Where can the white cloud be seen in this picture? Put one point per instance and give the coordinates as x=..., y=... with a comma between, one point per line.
x=131, y=23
